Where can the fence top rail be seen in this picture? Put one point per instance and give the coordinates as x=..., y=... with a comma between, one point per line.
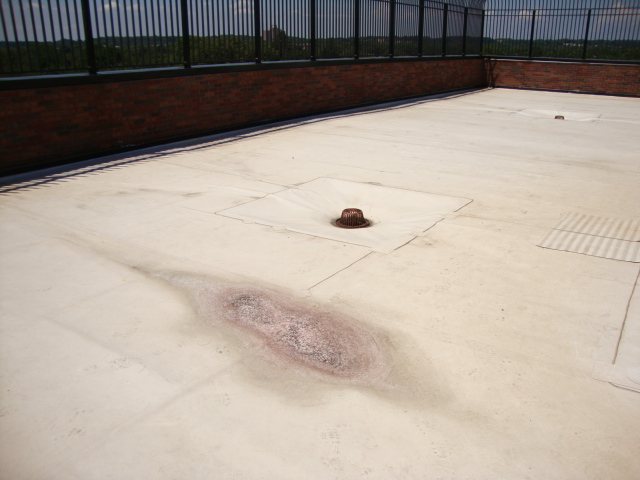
x=435, y=4
x=517, y=11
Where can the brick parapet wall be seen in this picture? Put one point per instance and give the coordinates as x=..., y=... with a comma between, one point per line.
x=607, y=79
x=44, y=125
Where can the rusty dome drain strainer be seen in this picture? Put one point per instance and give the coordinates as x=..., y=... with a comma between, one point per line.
x=352, y=218
x=559, y=117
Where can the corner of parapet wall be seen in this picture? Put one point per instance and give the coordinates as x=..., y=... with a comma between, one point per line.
x=620, y=79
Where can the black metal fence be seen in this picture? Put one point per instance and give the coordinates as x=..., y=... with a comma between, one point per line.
x=584, y=34
x=65, y=36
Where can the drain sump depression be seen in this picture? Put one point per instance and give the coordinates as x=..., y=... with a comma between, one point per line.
x=396, y=215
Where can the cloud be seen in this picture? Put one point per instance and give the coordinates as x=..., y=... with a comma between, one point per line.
x=110, y=5
x=243, y=6
x=625, y=9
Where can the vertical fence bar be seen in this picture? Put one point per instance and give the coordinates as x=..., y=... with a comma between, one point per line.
x=482, y=33
x=256, y=33
x=209, y=16
x=109, y=53
x=166, y=56
x=223, y=26
x=113, y=38
x=155, y=13
x=312, y=15
x=5, y=31
x=464, y=31
x=356, y=30
x=586, y=36
x=421, y=29
x=533, y=28
x=133, y=52
x=392, y=27
x=26, y=36
x=35, y=35
x=445, y=19
x=196, y=50
x=120, y=35
x=150, y=51
x=139, y=38
x=186, y=45
x=78, y=28
x=88, y=37
x=44, y=33
x=15, y=36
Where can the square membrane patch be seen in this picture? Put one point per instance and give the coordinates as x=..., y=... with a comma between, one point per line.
x=397, y=216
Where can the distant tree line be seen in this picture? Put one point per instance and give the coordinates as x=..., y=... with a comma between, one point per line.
x=144, y=52
x=564, y=48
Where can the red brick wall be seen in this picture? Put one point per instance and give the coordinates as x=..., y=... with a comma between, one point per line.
x=608, y=79
x=44, y=125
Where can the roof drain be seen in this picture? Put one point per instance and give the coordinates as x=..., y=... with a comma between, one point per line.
x=559, y=117
x=352, y=218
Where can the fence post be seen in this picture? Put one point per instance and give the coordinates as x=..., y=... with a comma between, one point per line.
x=186, y=45
x=533, y=28
x=421, y=29
x=312, y=14
x=88, y=37
x=445, y=19
x=392, y=27
x=586, y=36
x=464, y=31
x=482, y=33
x=256, y=33
x=356, y=30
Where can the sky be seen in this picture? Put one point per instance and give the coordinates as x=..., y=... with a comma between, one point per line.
x=619, y=20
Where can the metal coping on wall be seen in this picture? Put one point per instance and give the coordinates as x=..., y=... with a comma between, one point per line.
x=64, y=80
x=562, y=60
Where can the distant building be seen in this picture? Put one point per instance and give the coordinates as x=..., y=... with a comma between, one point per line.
x=273, y=34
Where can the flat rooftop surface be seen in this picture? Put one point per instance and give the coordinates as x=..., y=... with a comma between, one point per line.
x=165, y=315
